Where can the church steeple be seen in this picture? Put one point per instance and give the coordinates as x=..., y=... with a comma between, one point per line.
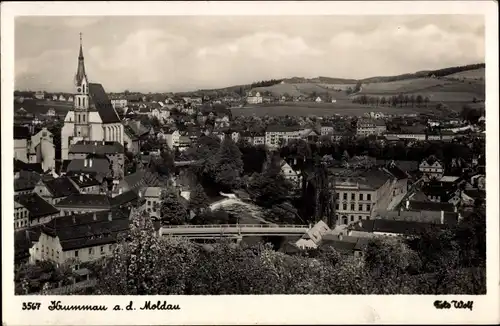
x=80, y=71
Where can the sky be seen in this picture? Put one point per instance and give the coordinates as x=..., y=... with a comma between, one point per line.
x=184, y=53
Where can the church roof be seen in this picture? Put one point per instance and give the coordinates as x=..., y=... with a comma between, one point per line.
x=102, y=104
x=80, y=71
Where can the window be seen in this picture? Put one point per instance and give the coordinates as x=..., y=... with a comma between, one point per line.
x=368, y=207
x=149, y=202
x=360, y=217
x=76, y=253
x=90, y=251
x=102, y=249
x=344, y=207
x=352, y=207
x=352, y=218
x=345, y=195
x=353, y=197
x=360, y=207
x=337, y=206
x=83, y=117
x=368, y=197
x=360, y=196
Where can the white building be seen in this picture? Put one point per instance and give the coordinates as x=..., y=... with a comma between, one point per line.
x=254, y=98
x=92, y=116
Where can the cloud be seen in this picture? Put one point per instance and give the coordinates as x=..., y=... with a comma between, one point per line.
x=183, y=53
x=272, y=46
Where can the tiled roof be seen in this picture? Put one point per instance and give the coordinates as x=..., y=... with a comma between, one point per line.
x=23, y=241
x=21, y=132
x=141, y=178
x=99, y=166
x=88, y=230
x=124, y=198
x=396, y=226
x=96, y=147
x=84, y=180
x=431, y=206
x=26, y=181
x=100, y=100
x=60, y=187
x=280, y=128
x=86, y=201
x=36, y=206
x=22, y=166
x=152, y=192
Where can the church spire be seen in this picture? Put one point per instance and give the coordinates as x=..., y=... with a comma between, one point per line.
x=80, y=71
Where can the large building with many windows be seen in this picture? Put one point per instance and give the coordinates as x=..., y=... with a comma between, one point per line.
x=361, y=194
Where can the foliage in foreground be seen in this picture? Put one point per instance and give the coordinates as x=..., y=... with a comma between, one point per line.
x=146, y=265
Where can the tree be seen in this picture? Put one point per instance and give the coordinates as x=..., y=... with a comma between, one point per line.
x=134, y=267
x=171, y=209
x=198, y=200
x=419, y=100
x=229, y=165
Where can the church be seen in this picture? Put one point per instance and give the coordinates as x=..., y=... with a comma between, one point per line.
x=92, y=117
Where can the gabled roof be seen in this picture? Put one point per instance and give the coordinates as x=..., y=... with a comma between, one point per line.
x=27, y=180
x=86, y=200
x=97, y=147
x=124, y=198
x=88, y=230
x=32, y=167
x=60, y=187
x=102, y=104
x=84, y=180
x=396, y=226
x=36, y=206
x=99, y=166
x=431, y=206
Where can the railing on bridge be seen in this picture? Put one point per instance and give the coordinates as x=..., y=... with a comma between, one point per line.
x=222, y=226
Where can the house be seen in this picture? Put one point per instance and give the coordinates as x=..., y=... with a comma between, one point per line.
x=62, y=98
x=326, y=130
x=79, y=237
x=112, y=150
x=25, y=182
x=361, y=194
x=318, y=100
x=41, y=149
x=344, y=244
x=138, y=180
x=431, y=168
x=390, y=228
x=367, y=127
x=276, y=135
x=152, y=200
x=84, y=203
x=99, y=168
x=291, y=175
x=53, y=190
x=254, y=98
x=21, y=137
x=312, y=238
x=31, y=210
x=51, y=112
x=119, y=103
x=86, y=184
x=54, y=97
x=40, y=95
x=173, y=139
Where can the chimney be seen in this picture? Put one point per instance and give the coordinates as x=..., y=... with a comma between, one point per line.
x=81, y=177
x=120, y=191
x=341, y=237
x=74, y=219
x=103, y=142
x=360, y=223
x=90, y=163
x=110, y=216
x=442, y=217
x=85, y=163
x=95, y=216
x=407, y=204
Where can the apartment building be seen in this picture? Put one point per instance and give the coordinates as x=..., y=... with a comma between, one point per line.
x=276, y=135
x=361, y=194
x=367, y=127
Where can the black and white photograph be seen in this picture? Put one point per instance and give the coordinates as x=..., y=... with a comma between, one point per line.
x=214, y=155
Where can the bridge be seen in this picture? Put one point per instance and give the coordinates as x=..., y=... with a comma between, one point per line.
x=236, y=231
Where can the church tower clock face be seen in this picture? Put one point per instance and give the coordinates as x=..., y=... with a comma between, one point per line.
x=79, y=89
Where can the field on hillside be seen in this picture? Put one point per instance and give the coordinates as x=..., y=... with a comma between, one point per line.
x=304, y=89
x=343, y=107
x=475, y=74
x=41, y=107
x=438, y=90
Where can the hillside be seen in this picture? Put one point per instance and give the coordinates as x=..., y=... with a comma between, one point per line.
x=475, y=74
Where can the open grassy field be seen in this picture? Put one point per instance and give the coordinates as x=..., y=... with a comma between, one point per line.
x=304, y=89
x=402, y=86
x=343, y=107
x=475, y=74
x=41, y=107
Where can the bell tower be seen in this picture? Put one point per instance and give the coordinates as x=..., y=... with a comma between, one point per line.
x=81, y=98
